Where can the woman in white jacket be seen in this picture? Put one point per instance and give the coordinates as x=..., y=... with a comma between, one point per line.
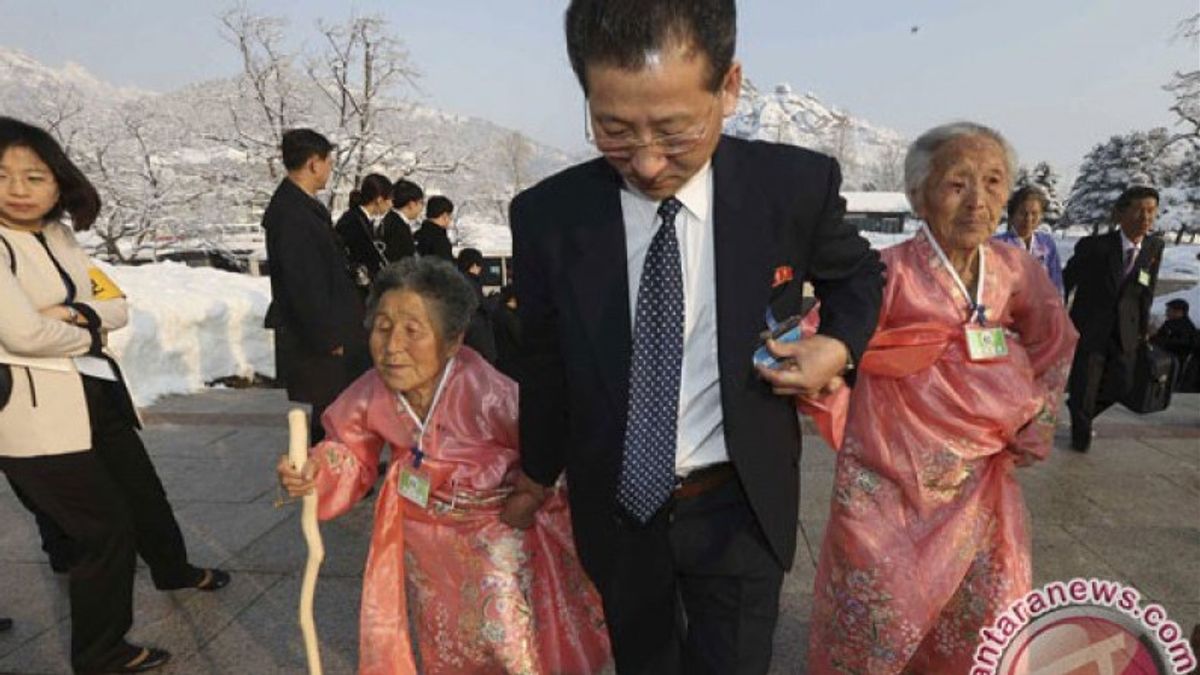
x=68, y=428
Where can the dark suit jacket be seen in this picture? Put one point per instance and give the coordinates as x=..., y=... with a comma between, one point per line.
x=314, y=306
x=397, y=237
x=432, y=239
x=1108, y=303
x=773, y=206
x=357, y=235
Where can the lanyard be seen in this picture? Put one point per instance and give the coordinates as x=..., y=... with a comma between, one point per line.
x=975, y=308
x=418, y=454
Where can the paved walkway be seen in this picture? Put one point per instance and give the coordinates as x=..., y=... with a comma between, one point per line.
x=1129, y=510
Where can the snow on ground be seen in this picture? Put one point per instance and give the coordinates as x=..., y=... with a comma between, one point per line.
x=188, y=326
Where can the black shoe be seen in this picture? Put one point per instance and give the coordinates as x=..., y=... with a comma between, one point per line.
x=146, y=658
x=5, y=624
x=212, y=579
x=1081, y=444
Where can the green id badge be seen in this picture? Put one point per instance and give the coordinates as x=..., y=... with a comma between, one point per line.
x=414, y=486
x=985, y=344
x=1143, y=277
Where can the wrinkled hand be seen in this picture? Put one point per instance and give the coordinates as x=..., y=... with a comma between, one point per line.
x=810, y=367
x=297, y=483
x=522, y=505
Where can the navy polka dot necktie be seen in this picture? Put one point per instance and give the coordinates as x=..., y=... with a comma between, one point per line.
x=648, y=464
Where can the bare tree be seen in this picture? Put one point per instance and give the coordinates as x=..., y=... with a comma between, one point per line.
x=267, y=83
x=1185, y=86
x=360, y=71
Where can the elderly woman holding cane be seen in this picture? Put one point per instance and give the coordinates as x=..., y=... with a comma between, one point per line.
x=927, y=538
x=451, y=586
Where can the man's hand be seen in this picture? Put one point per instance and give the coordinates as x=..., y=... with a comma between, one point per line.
x=522, y=505
x=810, y=367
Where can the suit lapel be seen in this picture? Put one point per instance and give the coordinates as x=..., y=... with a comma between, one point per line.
x=742, y=245
x=599, y=280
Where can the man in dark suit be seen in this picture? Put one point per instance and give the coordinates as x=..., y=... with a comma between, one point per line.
x=317, y=316
x=433, y=239
x=643, y=281
x=1113, y=276
x=396, y=228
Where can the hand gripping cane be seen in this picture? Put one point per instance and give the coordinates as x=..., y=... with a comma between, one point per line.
x=298, y=456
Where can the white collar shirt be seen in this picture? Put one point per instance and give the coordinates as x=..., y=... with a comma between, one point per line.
x=700, y=432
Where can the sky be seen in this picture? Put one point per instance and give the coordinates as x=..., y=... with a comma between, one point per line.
x=1055, y=76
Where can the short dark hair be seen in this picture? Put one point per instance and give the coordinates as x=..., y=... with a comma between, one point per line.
x=1134, y=193
x=405, y=191
x=76, y=194
x=469, y=257
x=373, y=187
x=1180, y=304
x=300, y=145
x=622, y=32
x=1020, y=196
x=438, y=205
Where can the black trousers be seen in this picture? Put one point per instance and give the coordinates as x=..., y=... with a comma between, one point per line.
x=1098, y=380
x=78, y=494
x=116, y=443
x=695, y=591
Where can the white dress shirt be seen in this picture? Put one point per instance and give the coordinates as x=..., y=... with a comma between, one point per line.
x=700, y=431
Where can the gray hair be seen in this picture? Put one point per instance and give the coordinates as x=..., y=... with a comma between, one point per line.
x=452, y=299
x=918, y=163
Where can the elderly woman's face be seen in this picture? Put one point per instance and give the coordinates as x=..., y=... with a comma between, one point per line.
x=1027, y=217
x=406, y=345
x=966, y=191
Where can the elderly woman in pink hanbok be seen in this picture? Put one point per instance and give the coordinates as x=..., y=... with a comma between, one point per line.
x=927, y=538
x=449, y=587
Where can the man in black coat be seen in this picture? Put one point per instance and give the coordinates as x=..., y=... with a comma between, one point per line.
x=433, y=239
x=317, y=316
x=396, y=228
x=643, y=281
x=479, y=334
x=1178, y=335
x=1113, y=276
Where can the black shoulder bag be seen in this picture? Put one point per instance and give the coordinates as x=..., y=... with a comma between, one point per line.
x=6, y=378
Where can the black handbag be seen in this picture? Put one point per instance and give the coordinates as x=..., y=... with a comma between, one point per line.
x=1153, y=373
x=6, y=378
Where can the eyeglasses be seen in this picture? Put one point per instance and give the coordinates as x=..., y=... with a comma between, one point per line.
x=623, y=146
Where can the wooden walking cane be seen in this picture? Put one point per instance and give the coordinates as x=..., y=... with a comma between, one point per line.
x=298, y=456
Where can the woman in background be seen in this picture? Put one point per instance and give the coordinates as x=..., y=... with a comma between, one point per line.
x=1025, y=210
x=359, y=233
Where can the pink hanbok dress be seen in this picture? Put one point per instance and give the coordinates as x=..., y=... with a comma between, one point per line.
x=927, y=539
x=449, y=588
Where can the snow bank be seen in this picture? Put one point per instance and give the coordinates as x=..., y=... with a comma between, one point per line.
x=188, y=326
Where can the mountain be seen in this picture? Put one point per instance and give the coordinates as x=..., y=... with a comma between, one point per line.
x=182, y=163
x=871, y=156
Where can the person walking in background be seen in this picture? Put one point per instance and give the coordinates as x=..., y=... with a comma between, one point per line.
x=1113, y=277
x=479, y=334
x=1025, y=209
x=68, y=427
x=402, y=220
x=644, y=280
x=433, y=238
x=316, y=313
x=356, y=228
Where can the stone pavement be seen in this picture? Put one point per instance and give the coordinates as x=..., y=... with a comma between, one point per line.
x=1129, y=510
